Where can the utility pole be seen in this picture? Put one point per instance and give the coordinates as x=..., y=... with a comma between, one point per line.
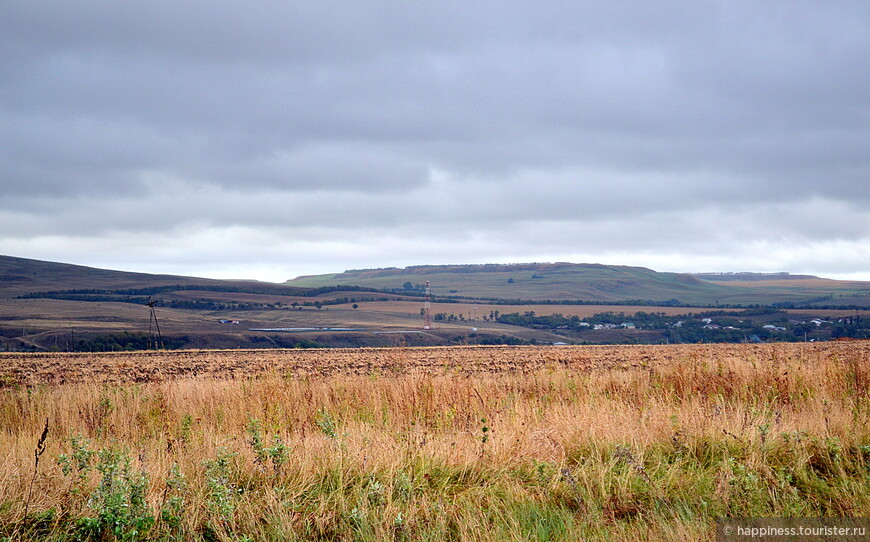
x=427, y=308
x=157, y=339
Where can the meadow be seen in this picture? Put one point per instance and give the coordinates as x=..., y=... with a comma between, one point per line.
x=476, y=443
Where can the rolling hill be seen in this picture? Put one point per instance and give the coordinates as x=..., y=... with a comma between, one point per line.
x=602, y=283
x=21, y=276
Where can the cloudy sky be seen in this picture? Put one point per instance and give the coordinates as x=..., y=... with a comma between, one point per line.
x=269, y=138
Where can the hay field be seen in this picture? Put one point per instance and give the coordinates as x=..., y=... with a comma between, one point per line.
x=479, y=443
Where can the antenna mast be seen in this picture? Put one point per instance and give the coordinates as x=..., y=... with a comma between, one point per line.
x=427, y=308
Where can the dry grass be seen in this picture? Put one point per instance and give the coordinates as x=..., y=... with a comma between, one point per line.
x=463, y=444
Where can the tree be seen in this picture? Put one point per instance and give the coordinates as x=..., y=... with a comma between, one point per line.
x=355, y=306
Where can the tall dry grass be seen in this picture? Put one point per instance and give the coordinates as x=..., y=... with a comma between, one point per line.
x=650, y=451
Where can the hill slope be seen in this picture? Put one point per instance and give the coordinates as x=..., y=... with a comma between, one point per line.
x=23, y=277
x=599, y=283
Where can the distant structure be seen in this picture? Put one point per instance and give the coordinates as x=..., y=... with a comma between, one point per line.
x=155, y=340
x=427, y=308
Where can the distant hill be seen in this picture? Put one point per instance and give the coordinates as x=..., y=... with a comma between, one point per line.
x=557, y=281
x=23, y=276
x=601, y=283
x=751, y=276
x=20, y=276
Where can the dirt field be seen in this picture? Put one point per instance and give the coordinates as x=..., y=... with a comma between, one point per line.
x=59, y=368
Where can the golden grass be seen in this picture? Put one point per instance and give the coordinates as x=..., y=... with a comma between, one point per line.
x=466, y=444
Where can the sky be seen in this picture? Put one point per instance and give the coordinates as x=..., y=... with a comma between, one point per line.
x=269, y=139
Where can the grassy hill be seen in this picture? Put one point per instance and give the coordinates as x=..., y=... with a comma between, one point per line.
x=558, y=281
x=602, y=283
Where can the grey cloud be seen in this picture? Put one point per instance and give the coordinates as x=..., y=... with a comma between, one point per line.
x=474, y=119
x=325, y=167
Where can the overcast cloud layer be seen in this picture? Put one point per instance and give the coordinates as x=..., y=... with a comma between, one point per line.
x=269, y=139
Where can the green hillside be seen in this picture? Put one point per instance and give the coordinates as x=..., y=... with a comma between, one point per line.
x=600, y=283
x=529, y=281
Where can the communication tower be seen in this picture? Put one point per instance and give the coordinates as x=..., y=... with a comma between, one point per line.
x=427, y=308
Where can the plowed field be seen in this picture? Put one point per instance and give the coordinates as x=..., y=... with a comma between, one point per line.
x=57, y=368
